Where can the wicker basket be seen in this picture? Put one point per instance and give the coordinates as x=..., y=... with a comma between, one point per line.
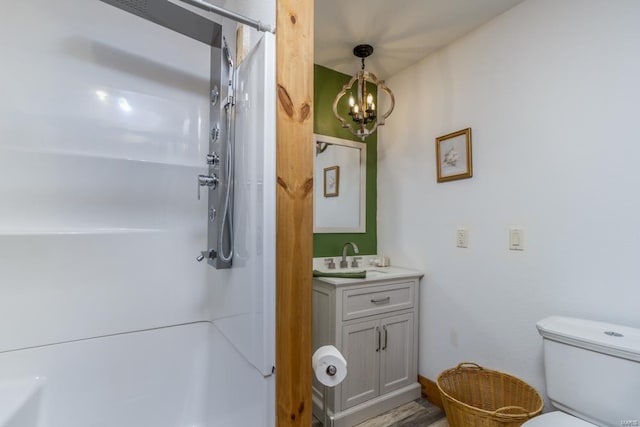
x=477, y=397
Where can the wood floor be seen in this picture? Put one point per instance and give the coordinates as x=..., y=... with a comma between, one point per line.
x=418, y=413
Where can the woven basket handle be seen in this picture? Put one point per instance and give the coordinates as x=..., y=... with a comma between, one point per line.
x=504, y=408
x=470, y=365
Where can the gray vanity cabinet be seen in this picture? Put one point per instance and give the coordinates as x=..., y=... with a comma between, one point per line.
x=380, y=357
x=374, y=325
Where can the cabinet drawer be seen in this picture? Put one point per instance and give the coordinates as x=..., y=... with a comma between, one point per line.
x=378, y=299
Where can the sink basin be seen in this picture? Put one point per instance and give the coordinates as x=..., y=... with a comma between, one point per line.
x=354, y=270
x=370, y=272
x=373, y=274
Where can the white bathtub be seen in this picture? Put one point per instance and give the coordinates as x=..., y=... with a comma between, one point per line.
x=20, y=402
x=179, y=376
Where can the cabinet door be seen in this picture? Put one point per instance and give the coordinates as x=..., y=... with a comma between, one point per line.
x=396, y=352
x=361, y=344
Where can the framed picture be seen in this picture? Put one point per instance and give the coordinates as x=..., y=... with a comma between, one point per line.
x=332, y=181
x=453, y=156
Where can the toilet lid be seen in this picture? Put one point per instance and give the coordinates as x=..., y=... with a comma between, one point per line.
x=556, y=419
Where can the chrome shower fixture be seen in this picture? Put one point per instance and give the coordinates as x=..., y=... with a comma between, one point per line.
x=174, y=17
x=220, y=158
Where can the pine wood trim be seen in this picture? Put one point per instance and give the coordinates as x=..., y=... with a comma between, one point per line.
x=294, y=211
x=430, y=391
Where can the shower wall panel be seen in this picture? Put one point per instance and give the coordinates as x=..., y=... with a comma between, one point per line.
x=242, y=298
x=103, y=130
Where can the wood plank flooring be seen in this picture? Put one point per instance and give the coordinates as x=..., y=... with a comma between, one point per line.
x=418, y=413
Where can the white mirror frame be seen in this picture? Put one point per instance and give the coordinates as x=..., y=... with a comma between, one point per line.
x=362, y=227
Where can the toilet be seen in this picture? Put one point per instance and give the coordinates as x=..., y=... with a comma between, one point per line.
x=592, y=371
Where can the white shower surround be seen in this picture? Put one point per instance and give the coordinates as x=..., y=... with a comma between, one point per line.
x=103, y=130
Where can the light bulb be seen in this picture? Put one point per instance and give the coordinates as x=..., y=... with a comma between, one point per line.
x=369, y=99
x=351, y=101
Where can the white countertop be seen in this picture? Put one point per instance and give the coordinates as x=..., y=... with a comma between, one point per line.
x=374, y=274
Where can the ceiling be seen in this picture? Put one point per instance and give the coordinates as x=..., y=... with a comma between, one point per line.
x=401, y=31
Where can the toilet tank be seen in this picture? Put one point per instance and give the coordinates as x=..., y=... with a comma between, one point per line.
x=592, y=369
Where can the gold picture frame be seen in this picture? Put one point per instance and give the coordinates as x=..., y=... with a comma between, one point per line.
x=453, y=156
x=332, y=181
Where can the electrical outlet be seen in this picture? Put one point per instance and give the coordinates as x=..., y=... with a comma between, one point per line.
x=462, y=238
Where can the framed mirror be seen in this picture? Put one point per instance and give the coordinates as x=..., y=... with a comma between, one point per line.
x=340, y=173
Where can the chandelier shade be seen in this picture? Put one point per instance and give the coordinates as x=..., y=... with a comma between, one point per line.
x=363, y=118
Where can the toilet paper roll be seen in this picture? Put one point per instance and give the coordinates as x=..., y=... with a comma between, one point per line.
x=323, y=359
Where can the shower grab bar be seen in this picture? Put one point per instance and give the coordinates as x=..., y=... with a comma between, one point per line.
x=231, y=15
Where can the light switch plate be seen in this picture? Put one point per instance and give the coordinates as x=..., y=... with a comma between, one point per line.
x=516, y=239
x=462, y=238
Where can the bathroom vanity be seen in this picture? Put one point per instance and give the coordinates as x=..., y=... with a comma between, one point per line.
x=374, y=323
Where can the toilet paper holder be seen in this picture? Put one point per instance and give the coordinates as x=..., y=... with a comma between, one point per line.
x=331, y=374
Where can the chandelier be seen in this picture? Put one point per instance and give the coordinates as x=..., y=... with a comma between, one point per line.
x=362, y=109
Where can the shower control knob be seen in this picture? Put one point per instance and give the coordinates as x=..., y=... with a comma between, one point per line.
x=210, y=254
x=215, y=133
x=213, y=159
x=210, y=181
x=215, y=95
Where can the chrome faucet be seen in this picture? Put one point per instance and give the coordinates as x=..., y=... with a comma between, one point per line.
x=344, y=263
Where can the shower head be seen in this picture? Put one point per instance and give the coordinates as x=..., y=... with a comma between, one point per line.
x=176, y=18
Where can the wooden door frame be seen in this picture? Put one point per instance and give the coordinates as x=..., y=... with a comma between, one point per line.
x=294, y=211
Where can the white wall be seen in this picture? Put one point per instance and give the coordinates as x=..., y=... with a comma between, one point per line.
x=550, y=89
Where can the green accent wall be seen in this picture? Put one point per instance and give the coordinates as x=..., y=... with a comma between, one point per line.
x=327, y=85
